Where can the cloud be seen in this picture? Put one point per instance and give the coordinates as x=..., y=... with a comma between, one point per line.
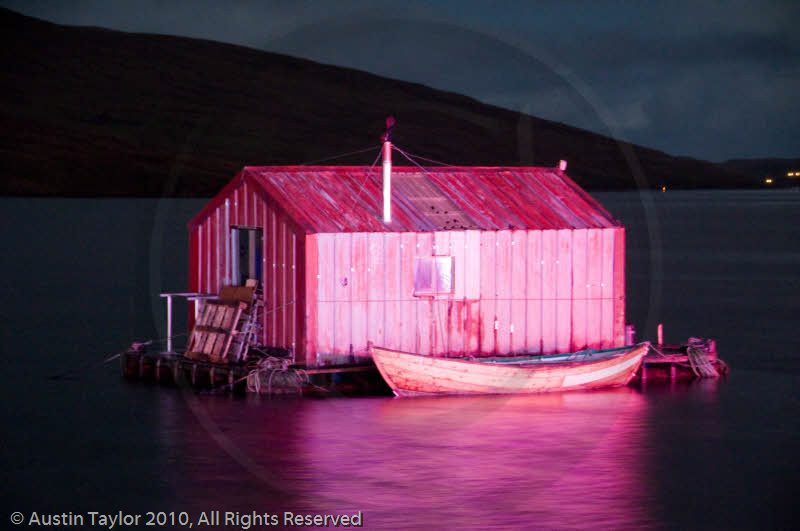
x=694, y=77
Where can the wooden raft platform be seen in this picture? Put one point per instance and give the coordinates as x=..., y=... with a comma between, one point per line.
x=169, y=368
x=671, y=363
x=665, y=363
x=175, y=369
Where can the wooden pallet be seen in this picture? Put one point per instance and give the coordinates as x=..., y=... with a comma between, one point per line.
x=217, y=324
x=225, y=327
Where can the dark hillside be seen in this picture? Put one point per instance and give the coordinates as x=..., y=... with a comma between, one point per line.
x=88, y=111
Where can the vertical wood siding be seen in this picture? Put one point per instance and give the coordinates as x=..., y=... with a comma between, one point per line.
x=283, y=256
x=580, y=288
x=194, y=271
x=513, y=291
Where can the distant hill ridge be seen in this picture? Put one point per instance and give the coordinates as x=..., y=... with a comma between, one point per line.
x=94, y=112
x=776, y=169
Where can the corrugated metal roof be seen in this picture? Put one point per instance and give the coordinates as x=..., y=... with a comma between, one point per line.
x=323, y=199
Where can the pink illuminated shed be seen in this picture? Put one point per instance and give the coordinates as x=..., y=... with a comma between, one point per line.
x=475, y=260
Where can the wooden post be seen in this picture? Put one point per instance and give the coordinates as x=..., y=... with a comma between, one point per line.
x=169, y=323
x=630, y=335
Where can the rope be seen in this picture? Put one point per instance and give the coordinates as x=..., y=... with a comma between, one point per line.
x=409, y=157
x=279, y=307
x=97, y=364
x=277, y=366
x=697, y=350
x=367, y=176
x=165, y=339
x=338, y=156
x=654, y=349
x=414, y=162
x=698, y=360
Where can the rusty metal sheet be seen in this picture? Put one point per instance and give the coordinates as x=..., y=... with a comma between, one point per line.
x=548, y=315
x=488, y=294
x=348, y=199
x=517, y=287
x=360, y=289
x=395, y=327
x=425, y=308
x=214, y=277
x=309, y=306
x=563, y=200
x=580, y=290
x=533, y=293
x=503, y=293
x=619, y=287
x=376, y=280
x=594, y=281
x=442, y=309
x=408, y=307
x=326, y=286
x=564, y=291
x=535, y=194
x=607, y=285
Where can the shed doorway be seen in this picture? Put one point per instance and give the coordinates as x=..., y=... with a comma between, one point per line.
x=245, y=254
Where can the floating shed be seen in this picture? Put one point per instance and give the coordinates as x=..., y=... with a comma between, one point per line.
x=475, y=260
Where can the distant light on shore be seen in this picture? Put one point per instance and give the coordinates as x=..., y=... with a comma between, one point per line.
x=768, y=180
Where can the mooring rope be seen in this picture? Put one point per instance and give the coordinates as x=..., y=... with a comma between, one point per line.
x=97, y=364
x=697, y=352
x=272, y=365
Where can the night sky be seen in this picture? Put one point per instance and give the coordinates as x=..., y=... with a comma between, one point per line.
x=712, y=80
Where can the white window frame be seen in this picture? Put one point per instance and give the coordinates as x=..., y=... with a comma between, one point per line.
x=441, y=268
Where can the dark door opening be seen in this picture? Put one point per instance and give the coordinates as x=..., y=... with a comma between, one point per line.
x=246, y=254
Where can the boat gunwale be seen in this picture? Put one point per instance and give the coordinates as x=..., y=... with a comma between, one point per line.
x=536, y=357
x=513, y=363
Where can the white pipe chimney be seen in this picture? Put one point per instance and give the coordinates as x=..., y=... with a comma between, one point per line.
x=387, y=182
x=387, y=171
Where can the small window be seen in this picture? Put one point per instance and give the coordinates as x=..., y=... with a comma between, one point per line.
x=433, y=275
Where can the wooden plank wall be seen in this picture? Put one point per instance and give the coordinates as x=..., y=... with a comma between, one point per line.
x=513, y=291
x=282, y=263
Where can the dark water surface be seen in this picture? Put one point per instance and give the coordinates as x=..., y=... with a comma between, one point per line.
x=79, y=279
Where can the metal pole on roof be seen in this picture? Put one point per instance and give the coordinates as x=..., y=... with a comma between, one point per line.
x=387, y=171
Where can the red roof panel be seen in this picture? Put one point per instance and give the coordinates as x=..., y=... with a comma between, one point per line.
x=329, y=199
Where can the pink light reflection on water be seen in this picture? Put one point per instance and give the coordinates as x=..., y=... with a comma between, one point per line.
x=469, y=462
x=576, y=460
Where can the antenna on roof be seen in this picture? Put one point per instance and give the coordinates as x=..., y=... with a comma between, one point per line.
x=387, y=170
